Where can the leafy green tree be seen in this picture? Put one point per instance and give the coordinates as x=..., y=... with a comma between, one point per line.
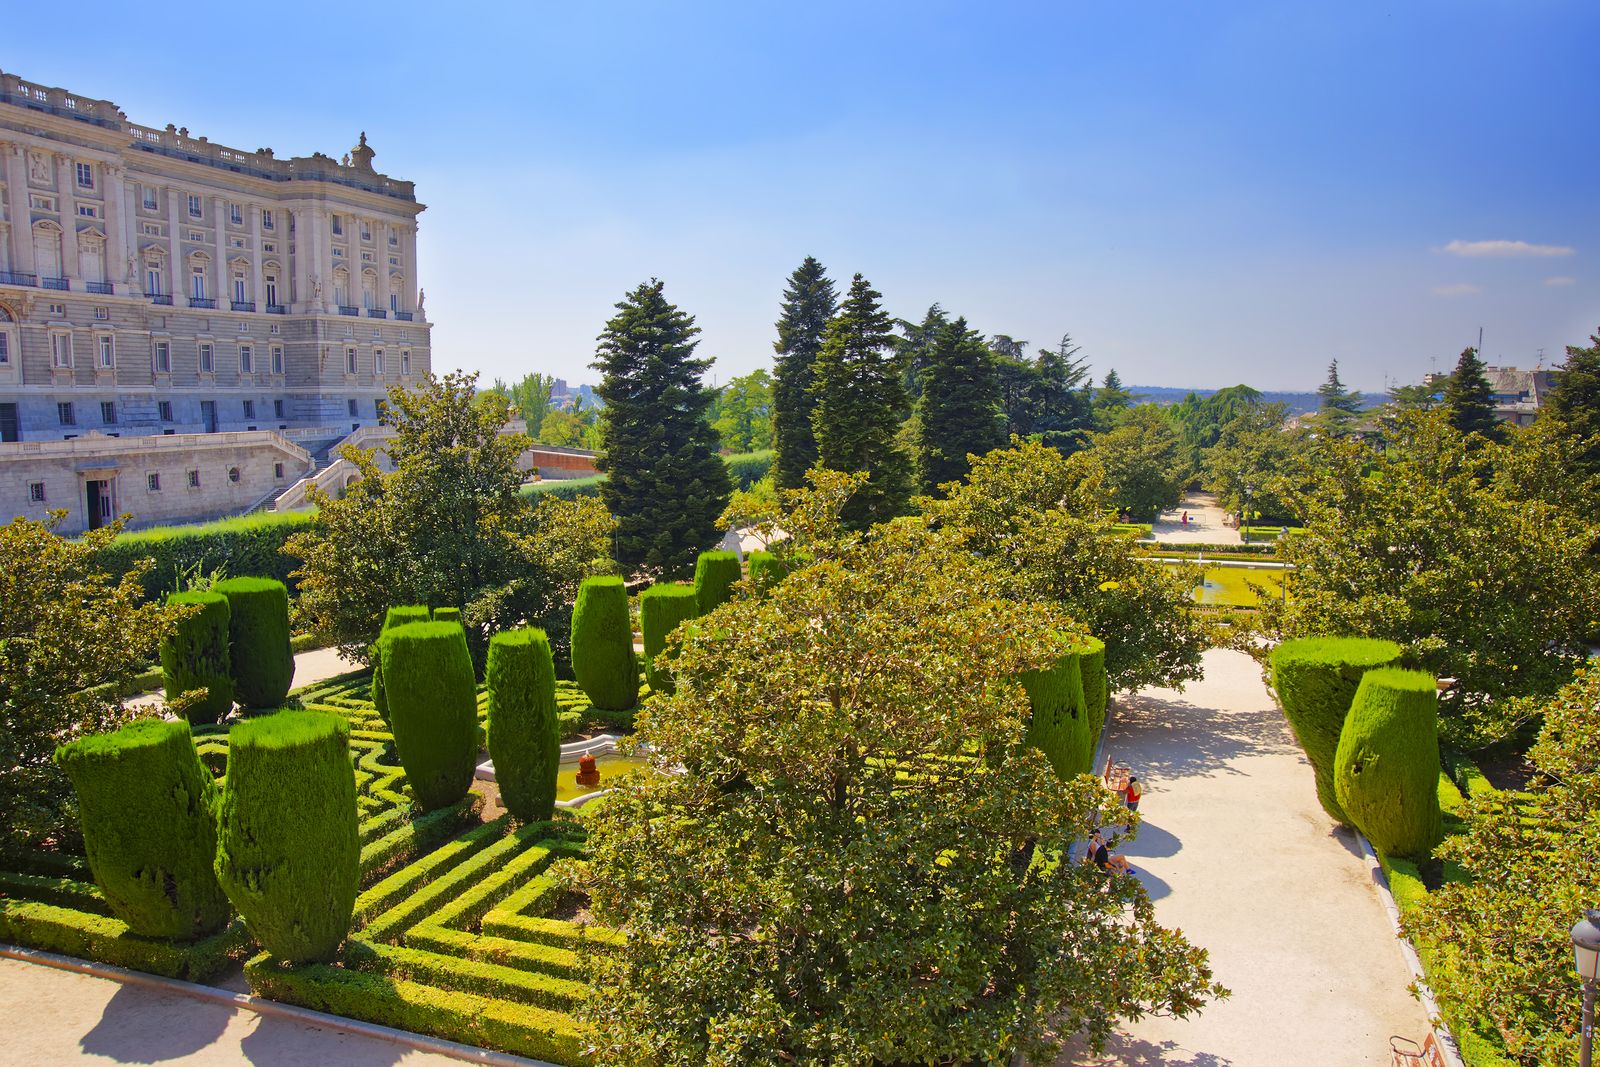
x=71, y=641
x=959, y=411
x=1143, y=463
x=1418, y=397
x=860, y=404
x=448, y=527
x=1421, y=545
x=1042, y=520
x=565, y=428
x=1468, y=398
x=1199, y=420
x=1338, y=407
x=1531, y=863
x=1060, y=396
x=1110, y=401
x=667, y=484
x=809, y=303
x=530, y=396
x=1255, y=456
x=1574, y=403
x=843, y=879
x=741, y=412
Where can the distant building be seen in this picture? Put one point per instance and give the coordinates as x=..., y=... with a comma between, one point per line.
x=1517, y=394
x=158, y=290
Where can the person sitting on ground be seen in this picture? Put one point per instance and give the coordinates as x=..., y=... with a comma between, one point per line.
x=1100, y=855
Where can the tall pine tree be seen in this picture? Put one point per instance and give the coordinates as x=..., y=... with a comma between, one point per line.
x=860, y=402
x=1574, y=404
x=1110, y=401
x=666, y=484
x=1339, y=406
x=1060, y=397
x=808, y=303
x=915, y=346
x=1468, y=400
x=960, y=405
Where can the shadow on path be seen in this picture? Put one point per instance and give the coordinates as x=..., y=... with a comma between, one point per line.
x=277, y=1042
x=130, y=1032
x=1124, y=1051
x=1177, y=739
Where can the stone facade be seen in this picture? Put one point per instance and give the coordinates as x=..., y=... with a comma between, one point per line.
x=157, y=284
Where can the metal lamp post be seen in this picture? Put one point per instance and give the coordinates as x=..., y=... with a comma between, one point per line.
x=1244, y=524
x=1586, y=957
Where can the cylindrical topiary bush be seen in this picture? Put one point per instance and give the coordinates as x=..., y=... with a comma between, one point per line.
x=1386, y=769
x=288, y=843
x=1316, y=679
x=195, y=656
x=602, y=644
x=1096, y=686
x=147, y=809
x=258, y=639
x=396, y=616
x=1058, y=721
x=766, y=571
x=433, y=708
x=714, y=576
x=524, y=730
x=661, y=608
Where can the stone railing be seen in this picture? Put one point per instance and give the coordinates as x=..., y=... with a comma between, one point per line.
x=31, y=95
x=177, y=143
x=99, y=446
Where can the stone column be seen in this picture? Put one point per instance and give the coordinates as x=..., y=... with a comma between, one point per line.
x=257, y=293
x=177, y=270
x=116, y=234
x=408, y=261
x=303, y=258
x=21, y=215
x=325, y=225
x=224, y=293
x=380, y=242
x=68, y=203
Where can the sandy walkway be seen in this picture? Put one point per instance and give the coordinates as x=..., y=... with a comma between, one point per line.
x=1205, y=523
x=1237, y=853
x=317, y=665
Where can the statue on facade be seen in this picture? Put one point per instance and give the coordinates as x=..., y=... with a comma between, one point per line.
x=316, y=288
x=422, y=299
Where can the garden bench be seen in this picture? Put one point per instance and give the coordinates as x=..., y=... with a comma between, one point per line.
x=1403, y=1052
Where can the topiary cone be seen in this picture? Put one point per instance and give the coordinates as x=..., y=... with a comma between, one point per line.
x=1316, y=679
x=661, y=608
x=433, y=708
x=602, y=644
x=288, y=845
x=714, y=576
x=258, y=639
x=1386, y=769
x=196, y=656
x=524, y=727
x=147, y=808
x=1058, y=720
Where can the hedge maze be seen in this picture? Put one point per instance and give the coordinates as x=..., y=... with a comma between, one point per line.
x=458, y=931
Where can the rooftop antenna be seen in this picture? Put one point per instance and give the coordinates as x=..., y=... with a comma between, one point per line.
x=1480, y=342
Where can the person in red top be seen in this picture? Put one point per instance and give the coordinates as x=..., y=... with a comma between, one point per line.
x=1131, y=795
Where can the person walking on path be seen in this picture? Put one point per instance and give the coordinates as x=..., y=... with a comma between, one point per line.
x=1132, y=793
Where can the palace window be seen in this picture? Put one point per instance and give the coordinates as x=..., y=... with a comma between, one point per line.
x=338, y=225
x=271, y=284
x=239, y=287
x=207, y=363
x=277, y=409
x=249, y=409
x=108, y=352
x=102, y=314
x=405, y=362
x=61, y=350
x=196, y=209
x=152, y=482
x=152, y=280
x=377, y=362
x=161, y=353
x=88, y=211
x=277, y=471
x=350, y=360
x=151, y=197
x=236, y=214
x=355, y=409
x=108, y=412
x=277, y=363
x=164, y=410
x=266, y=220
x=194, y=479
x=247, y=360
x=366, y=231
x=86, y=175
x=65, y=414
x=5, y=350
x=36, y=492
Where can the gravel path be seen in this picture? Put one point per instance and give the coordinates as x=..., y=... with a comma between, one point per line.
x=1205, y=523
x=1237, y=853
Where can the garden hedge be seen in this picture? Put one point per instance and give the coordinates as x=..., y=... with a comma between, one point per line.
x=524, y=722
x=433, y=708
x=195, y=656
x=396, y=616
x=446, y=614
x=1058, y=723
x=748, y=468
x=602, y=644
x=288, y=842
x=146, y=806
x=1316, y=679
x=1386, y=769
x=248, y=545
x=714, y=576
x=258, y=639
x=661, y=608
x=1096, y=684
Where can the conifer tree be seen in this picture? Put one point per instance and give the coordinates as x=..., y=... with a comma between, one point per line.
x=1574, y=404
x=1468, y=400
x=808, y=303
x=1110, y=401
x=1339, y=406
x=1060, y=396
x=916, y=346
x=860, y=403
x=960, y=405
x=666, y=485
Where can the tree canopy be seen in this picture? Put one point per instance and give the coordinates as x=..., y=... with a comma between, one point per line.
x=1145, y=469
x=741, y=412
x=1337, y=406
x=959, y=408
x=1574, y=403
x=809, y=303
x=1468, y=399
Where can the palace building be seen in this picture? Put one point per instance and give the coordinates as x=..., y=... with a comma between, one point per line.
x=186, y=329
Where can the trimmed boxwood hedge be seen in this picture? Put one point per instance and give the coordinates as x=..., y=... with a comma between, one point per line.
x=247, y=545
x=1386, y=769
x=446, y=614
x=146, y=806
x=258, y=638
x=288, y=839
x=195, y=656
x=1316, y=679
x=396, y=616
x=1058, y=721
x=1092, y=667
x=714, y=576
x=524, y=722
x=661, y=608
x=433, y=708
x=602, y=644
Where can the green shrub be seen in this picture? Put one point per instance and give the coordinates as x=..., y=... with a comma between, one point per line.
x=1092, y=666
x=661, y=608
x=1386, y=769
x=714, y=576
x=446, y=614
x=397, y=616
x=288, y=842
x=602, y=644
x=1058, y=721
x=195, y=656
x=147, y=810
x=258, y=639
x=766, y=571
x=1316, y=679
x=524, y=724
x=433, y=708
x=247, y=545
x=748, y=468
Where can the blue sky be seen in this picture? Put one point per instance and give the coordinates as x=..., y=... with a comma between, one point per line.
x=1200, y=193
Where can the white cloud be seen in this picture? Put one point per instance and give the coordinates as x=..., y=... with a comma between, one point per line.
x=1458, y=289
x=1518, y=249
x=1560, y=280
